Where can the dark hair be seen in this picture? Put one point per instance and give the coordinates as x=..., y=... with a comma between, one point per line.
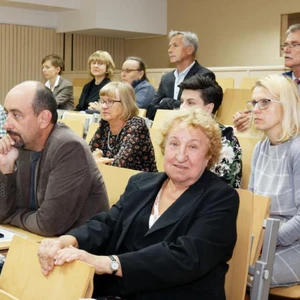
x=56, y=61
x=44, y=100
x=209, y=89
x=142, y=65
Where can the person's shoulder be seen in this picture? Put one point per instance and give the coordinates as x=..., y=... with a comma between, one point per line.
x=62, y=135
x=65, y=81
x=295, y=143
x=136, y=121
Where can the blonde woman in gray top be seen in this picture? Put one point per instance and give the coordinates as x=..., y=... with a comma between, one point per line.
x=275, y=170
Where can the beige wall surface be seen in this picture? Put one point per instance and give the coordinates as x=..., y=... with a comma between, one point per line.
x=231, y=32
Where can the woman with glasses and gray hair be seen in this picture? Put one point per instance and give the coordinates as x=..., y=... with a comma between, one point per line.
x=275, y=169
x=122, y=138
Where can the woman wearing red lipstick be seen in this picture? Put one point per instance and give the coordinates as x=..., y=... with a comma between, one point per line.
x=171, y=234
x=275, y=170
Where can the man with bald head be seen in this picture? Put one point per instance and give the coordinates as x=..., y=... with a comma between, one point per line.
x=49, y=181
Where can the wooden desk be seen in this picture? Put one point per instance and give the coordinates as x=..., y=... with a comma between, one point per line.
x=21, y=232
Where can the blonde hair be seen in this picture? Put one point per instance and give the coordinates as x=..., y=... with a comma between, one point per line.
x=105, y=57
x=195, y=118
x=285, y=90
x=126, y=94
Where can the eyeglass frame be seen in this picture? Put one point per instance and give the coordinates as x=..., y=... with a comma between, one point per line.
x=253, y=103
x=110, y=100
x=127, y=71
x=290, y=46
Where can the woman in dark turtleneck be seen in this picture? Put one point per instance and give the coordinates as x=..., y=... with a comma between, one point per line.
x=101, y=67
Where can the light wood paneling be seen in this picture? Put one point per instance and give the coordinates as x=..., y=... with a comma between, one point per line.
x=22, y=50
x=84, y=46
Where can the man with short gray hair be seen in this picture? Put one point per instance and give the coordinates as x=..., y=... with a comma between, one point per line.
x=182, y=50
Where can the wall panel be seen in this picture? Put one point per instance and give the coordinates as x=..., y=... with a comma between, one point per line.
x=84, y=46
x=22, y=49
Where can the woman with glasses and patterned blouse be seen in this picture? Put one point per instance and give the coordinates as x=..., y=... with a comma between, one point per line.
x=122, y=138
x=275, y=170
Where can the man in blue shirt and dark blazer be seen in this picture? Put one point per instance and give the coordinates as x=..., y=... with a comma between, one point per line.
x=182, y=51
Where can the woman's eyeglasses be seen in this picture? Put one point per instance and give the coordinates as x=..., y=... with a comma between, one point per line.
x=108, y=102
x=262, y=103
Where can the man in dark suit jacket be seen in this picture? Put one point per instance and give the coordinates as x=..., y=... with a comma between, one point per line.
x=182, y=51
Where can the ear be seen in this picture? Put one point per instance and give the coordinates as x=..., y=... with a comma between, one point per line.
x=44, y=118
x=209, y=107
x=190, y=50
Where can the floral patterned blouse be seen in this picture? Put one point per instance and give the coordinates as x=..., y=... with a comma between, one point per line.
x=229, y=167
x=131, y=148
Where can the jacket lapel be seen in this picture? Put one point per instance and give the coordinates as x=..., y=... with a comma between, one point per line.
x=191, y=197
x=145, y=191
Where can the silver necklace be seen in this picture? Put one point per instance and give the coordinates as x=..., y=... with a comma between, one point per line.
x=108, y=138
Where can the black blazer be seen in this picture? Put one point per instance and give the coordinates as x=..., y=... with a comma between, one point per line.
x=185, y=251
x=86, y=97
x=163, y=98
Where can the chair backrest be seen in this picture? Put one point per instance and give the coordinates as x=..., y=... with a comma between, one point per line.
x=142, y=112
x=22, y=279
x=248, y=82
x=116, y=180
x=76, y=126
x=233, y=100
x=261, y=211
x=159, y=158
x=226, y=83
x=91, y=131
x=160, y=118
x=77, y=90
x=247, y=144
x=236, y=277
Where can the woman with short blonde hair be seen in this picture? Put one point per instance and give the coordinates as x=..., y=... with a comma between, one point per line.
x=101, y=66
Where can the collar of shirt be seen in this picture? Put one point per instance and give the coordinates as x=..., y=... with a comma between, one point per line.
x=179, y=77
x=47, y=83
x=294, y=77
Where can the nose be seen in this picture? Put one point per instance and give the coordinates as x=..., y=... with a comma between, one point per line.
x=181, y=155
x=7, y=125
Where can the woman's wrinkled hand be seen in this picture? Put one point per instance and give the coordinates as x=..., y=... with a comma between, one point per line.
x=47, y=252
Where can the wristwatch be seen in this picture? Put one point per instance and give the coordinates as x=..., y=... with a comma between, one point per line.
x=114, y=265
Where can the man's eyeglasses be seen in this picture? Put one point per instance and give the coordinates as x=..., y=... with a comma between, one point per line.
x=108, y=102
x=127, y=71
x=262, y=103
x=290, y=46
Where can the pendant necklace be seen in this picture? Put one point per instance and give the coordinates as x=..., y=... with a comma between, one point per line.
x=117, y=137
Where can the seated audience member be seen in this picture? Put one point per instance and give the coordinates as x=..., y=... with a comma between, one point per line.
x=2, y=121
x=122, y=138
x=171, y=234
x=102, y=68
x=275, y=170
x=182, y=50
x=203, y=92
x=291, y=49
x=134, y=72
x=62, y=89
x=43, y=190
